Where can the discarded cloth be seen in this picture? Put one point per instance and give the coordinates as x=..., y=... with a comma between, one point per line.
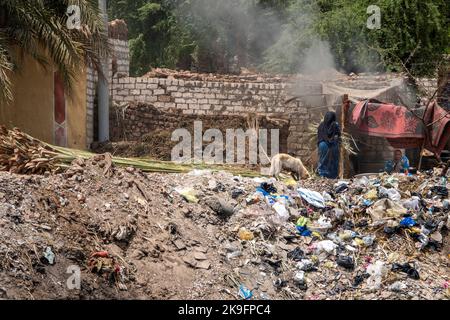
x=400, y=126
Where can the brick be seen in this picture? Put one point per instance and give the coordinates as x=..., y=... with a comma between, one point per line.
x=159, y=92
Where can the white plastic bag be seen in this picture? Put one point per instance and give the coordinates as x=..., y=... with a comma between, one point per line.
x=376, y=271
x=392, y=194
x=327, y=246
x=412, y=204
x=280, y=209
x=312, y=197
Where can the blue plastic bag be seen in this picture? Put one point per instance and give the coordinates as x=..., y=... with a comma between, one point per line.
x=408, y=222
x=245, y=293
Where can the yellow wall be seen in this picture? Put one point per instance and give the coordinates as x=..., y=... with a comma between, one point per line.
x=33, y=107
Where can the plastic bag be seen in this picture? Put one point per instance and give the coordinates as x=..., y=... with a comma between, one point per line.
x=385, y=208
x=412, y=204
x=281, y=210
x=312, y=197
x=361, y=182
x=376, y=271
x=327, y=246
x=391, y=194
x=246, y=235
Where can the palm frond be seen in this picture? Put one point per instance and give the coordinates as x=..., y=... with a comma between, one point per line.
x=38, y=29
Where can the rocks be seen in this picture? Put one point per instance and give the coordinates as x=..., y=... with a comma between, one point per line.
x=179, y=244
x=197, y=260
x=200, y=256
x=220, y=206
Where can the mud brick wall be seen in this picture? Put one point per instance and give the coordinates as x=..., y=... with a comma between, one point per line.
x=203, y=97
x=132, y=122
x=444, y=94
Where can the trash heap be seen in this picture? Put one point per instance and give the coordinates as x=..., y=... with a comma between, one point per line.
x=321, y=239
x=216, y=235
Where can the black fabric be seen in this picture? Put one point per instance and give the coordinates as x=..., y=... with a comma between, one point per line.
x=329, y=128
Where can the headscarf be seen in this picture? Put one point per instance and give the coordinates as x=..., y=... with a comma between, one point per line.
x=328, y=128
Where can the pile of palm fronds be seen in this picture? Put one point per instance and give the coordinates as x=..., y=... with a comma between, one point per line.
x=20, y=153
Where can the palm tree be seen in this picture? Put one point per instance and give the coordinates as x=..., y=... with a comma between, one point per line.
x=38, y=28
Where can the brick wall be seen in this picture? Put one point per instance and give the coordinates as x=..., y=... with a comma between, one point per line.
x=203, y=97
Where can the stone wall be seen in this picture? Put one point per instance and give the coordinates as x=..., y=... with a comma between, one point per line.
x=203, y=97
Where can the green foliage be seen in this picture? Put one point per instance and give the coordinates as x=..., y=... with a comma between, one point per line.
x=274, y=35
x=155, y=37
x=31, y=26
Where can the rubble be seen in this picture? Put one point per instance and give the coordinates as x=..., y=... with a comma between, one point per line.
x=194, y=236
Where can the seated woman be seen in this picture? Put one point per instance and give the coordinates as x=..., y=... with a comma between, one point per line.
x=400, y=164
x=328, y=139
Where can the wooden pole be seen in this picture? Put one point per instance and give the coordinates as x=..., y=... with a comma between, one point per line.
x=344, y=110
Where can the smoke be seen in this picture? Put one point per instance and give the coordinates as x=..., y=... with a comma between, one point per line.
x=318, y=60
x=248, y=34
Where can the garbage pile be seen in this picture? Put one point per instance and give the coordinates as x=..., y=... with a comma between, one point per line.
x=335, y=239
x=216, y=235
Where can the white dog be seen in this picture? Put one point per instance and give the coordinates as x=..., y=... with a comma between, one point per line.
x=293, y=165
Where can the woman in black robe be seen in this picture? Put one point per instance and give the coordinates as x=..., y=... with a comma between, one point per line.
x=328, y=138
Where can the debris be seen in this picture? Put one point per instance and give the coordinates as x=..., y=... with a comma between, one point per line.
x=376, y=271
x=300, y=281
x=346, y=262
x=49, y=255
x=306, y=265
x=205, y=265
x=384, y=209
x=280, y=209
x=220, y=206
x=297, y=254
x=245, y=293
x=200, y=256
x=179, y=244
x=407, y=222
x=188, y=193
x=398, y=286
x=246, y=235
x=327, y=246
x=332, y=244
x=408, y=269
x=302, y=227
x=312, y=197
